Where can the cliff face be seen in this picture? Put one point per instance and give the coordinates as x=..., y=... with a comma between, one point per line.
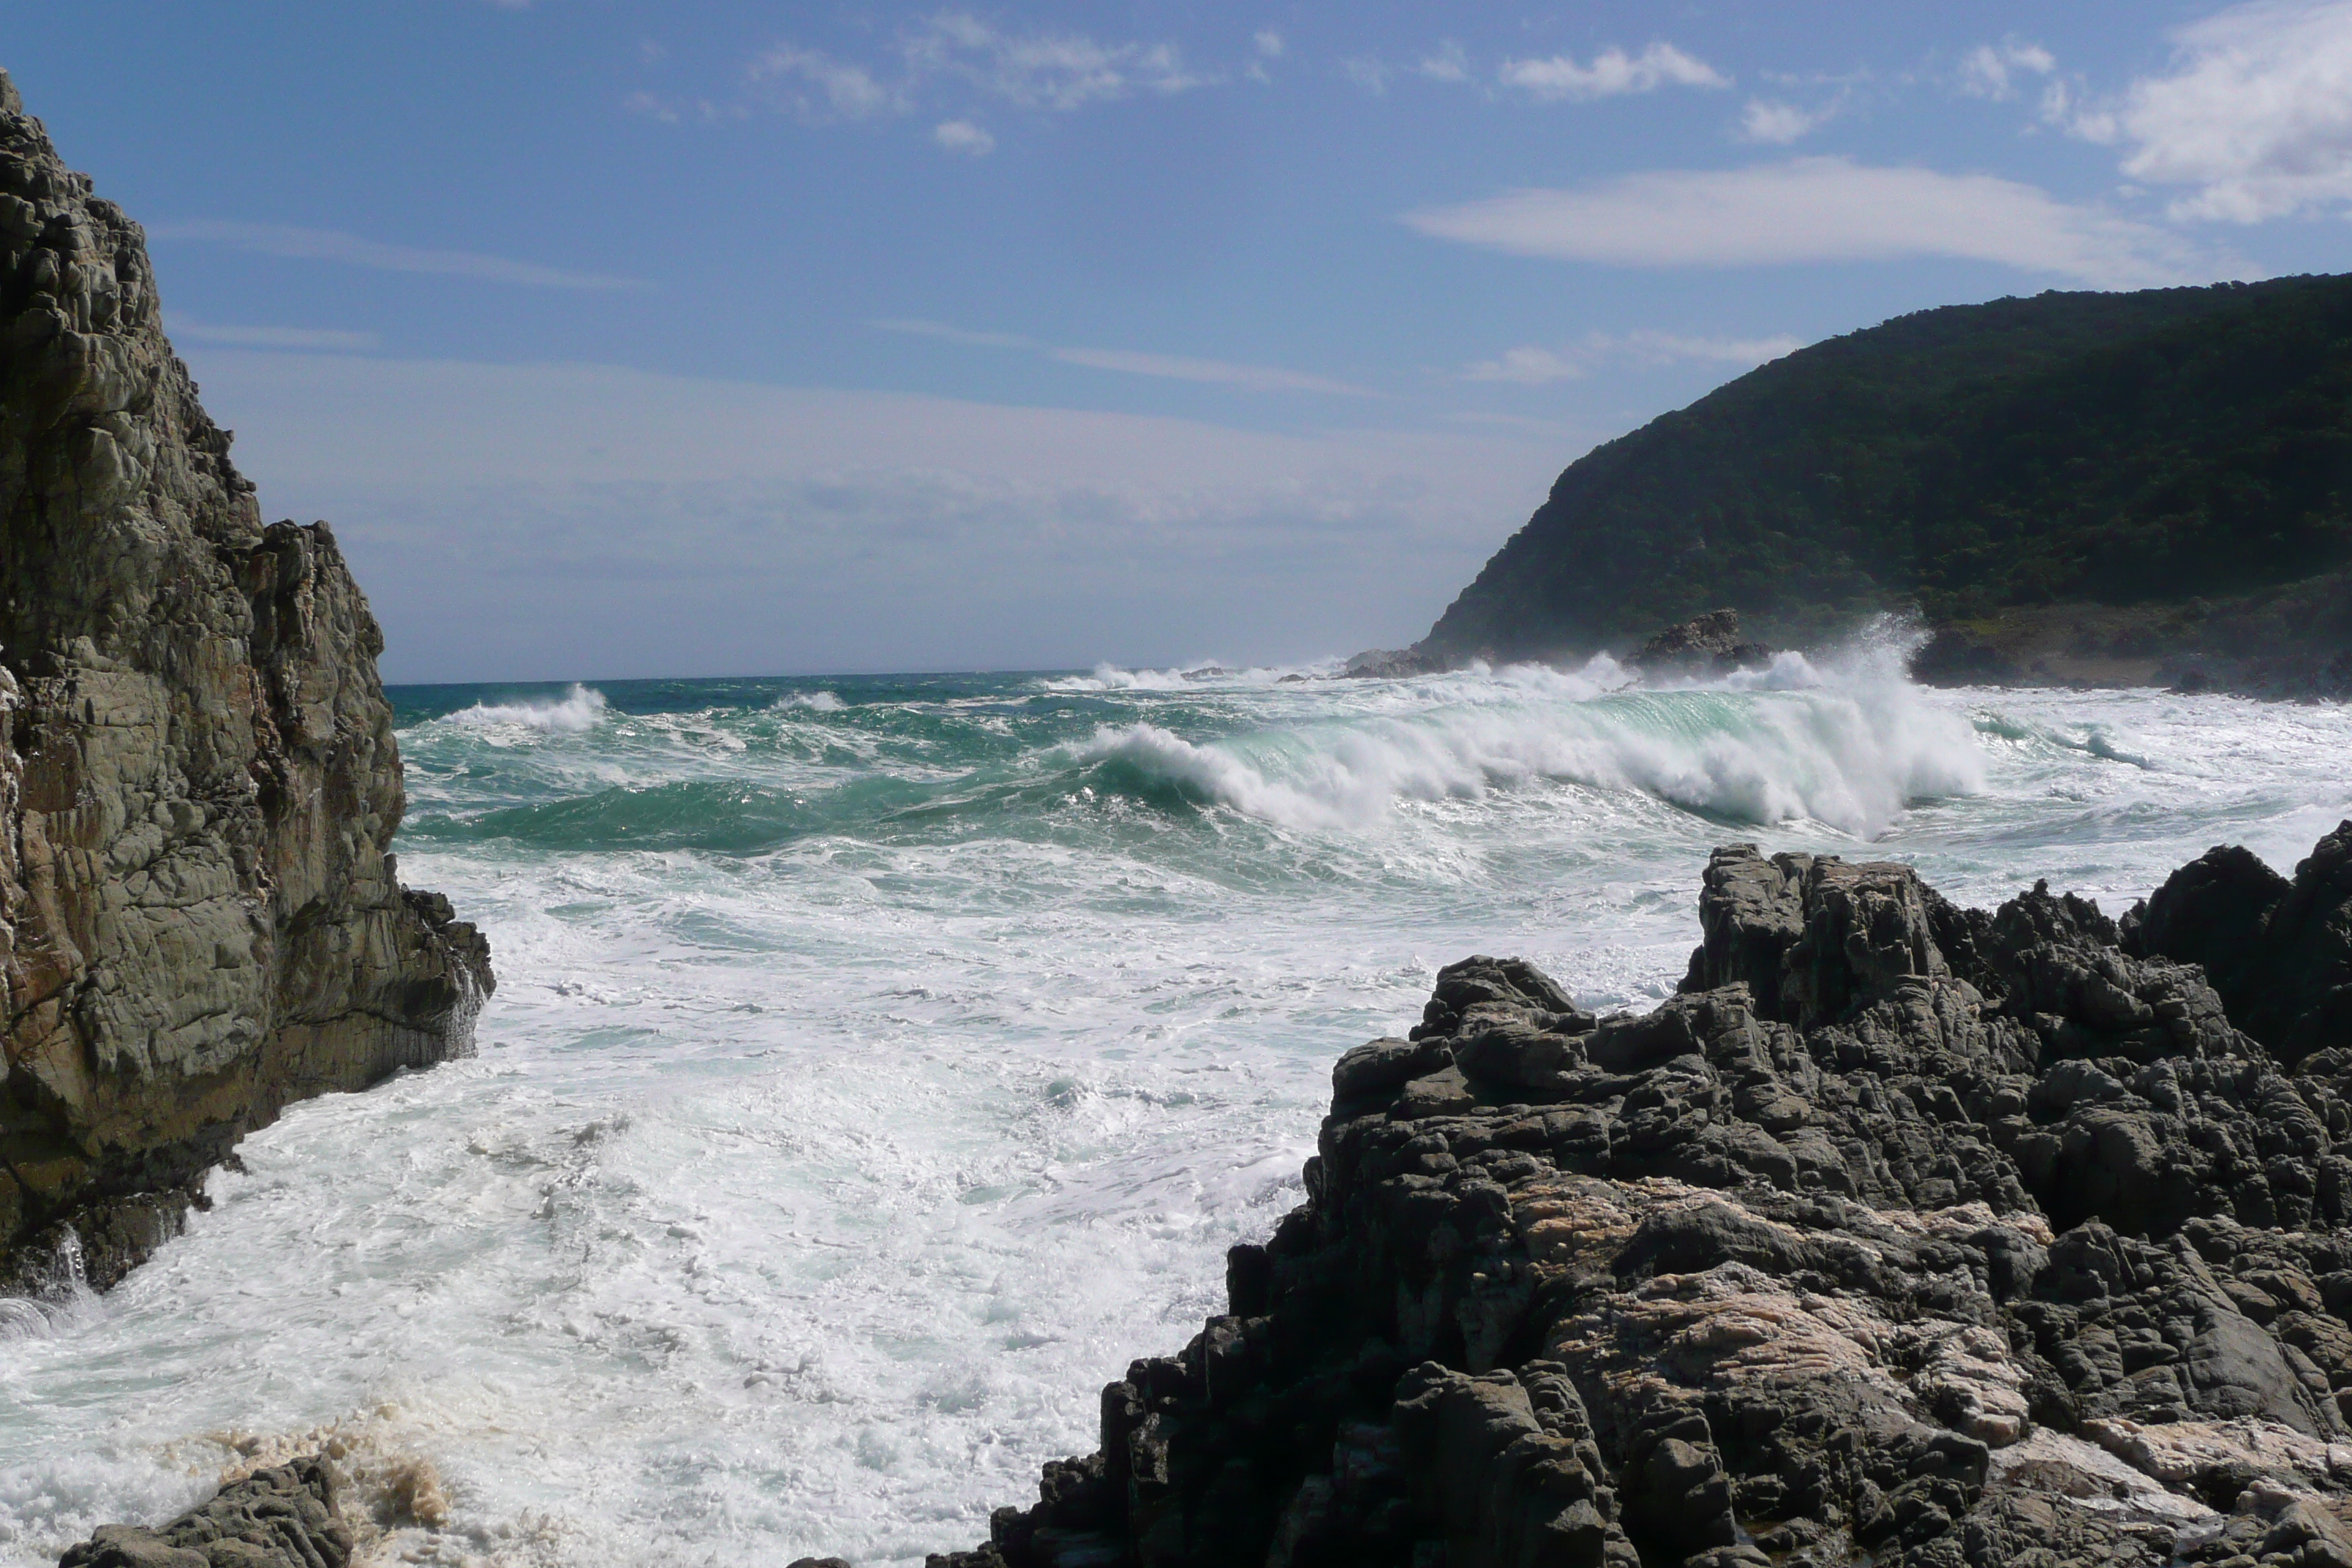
x=1903, y=1235
x=198, y=920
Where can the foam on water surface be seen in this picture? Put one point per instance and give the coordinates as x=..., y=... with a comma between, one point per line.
x=878, y=1065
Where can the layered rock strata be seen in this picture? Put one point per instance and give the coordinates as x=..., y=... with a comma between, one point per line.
x=199, y=920
x=1904, y=1234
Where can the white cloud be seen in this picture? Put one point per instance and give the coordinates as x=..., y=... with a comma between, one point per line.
x=1269, y=44
x=1663, y=347
x=1991, y=72
x=1533, y=366
x=956, y=334
x=2255, y=114
x=1367, y=73
x=1449, y=63
x=963, y=136
x=332, y=244
x=848, y=91
x=1777, y=123
x=1173, y=367
x=321, y=339
x=1818, y=209
x=522, y=521
x=1611, y=72
x=1526, y=367
x=1223, y=372
x=1050, y=71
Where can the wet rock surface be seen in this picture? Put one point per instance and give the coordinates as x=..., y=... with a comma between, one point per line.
x=1902, y=1234
x=288, y=1516
x=199, y=922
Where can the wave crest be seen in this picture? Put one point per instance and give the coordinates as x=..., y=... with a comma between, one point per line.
x=580, y=709
x=1783, y=744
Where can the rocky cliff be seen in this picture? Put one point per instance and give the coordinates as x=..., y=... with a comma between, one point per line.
x=1904, y=1234
x=199, y=922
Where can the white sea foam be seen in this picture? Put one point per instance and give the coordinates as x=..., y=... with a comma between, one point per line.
x=810, y=702
x=799, y=1202
x=1770, y=746
x=577, y=710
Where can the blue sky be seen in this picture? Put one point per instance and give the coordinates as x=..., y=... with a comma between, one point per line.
x=621, y=339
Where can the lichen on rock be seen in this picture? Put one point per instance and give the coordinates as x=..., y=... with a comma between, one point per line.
x=199, y=919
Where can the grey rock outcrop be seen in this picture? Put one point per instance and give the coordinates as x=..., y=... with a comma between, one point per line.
x=1904, y=1234
x=288, y=1516
x=1703, y=645
x=199, y=921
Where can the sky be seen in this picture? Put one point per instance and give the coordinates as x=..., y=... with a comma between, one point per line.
x=620, y=339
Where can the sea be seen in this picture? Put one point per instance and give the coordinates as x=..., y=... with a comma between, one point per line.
x=879, y=1064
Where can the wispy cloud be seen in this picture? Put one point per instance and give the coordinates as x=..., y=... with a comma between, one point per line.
x=820, y=88
x=1611, y=72
x=315, y=339
x=1450, y=63
x=1223, y=372
x=963, y=136
x=956, y=334
x=1366, y=72
x=333, y=245
x=1047, y=69
x=1527, y=366
x=1993, y=71
x=1536, y=366
x=1777, y=124
x=1819, y=209
x=2254, y=115
x=1128, y=362
x=561, y=512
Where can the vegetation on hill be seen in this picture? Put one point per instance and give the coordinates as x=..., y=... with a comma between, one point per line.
x=2152, y=447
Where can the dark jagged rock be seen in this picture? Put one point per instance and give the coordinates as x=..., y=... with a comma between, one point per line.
x=199, y=921
x=1904, y=1233
x=2279, y=953
x=1708, y=644
x=288, y=1516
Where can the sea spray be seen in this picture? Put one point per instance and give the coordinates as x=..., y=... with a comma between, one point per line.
x=580, y=709
x=1848, y=751
x=866, y=1086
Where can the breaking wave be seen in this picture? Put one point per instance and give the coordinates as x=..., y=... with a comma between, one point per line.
x=580, y=709
x=1777, y=745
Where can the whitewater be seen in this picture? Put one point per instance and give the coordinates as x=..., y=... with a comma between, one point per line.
x=879, y=1064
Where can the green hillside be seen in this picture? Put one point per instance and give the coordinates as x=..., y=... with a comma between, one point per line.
x=2098, y=448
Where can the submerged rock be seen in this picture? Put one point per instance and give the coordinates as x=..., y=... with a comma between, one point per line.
x=1904, y=1234
x=199, y=921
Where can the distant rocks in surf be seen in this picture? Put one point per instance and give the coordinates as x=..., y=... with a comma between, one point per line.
x=1902, y=1233
x=1705, y=644
x=1392, y=664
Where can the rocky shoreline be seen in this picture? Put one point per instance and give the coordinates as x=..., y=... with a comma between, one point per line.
x=200, y=920
x=1902, y=1234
